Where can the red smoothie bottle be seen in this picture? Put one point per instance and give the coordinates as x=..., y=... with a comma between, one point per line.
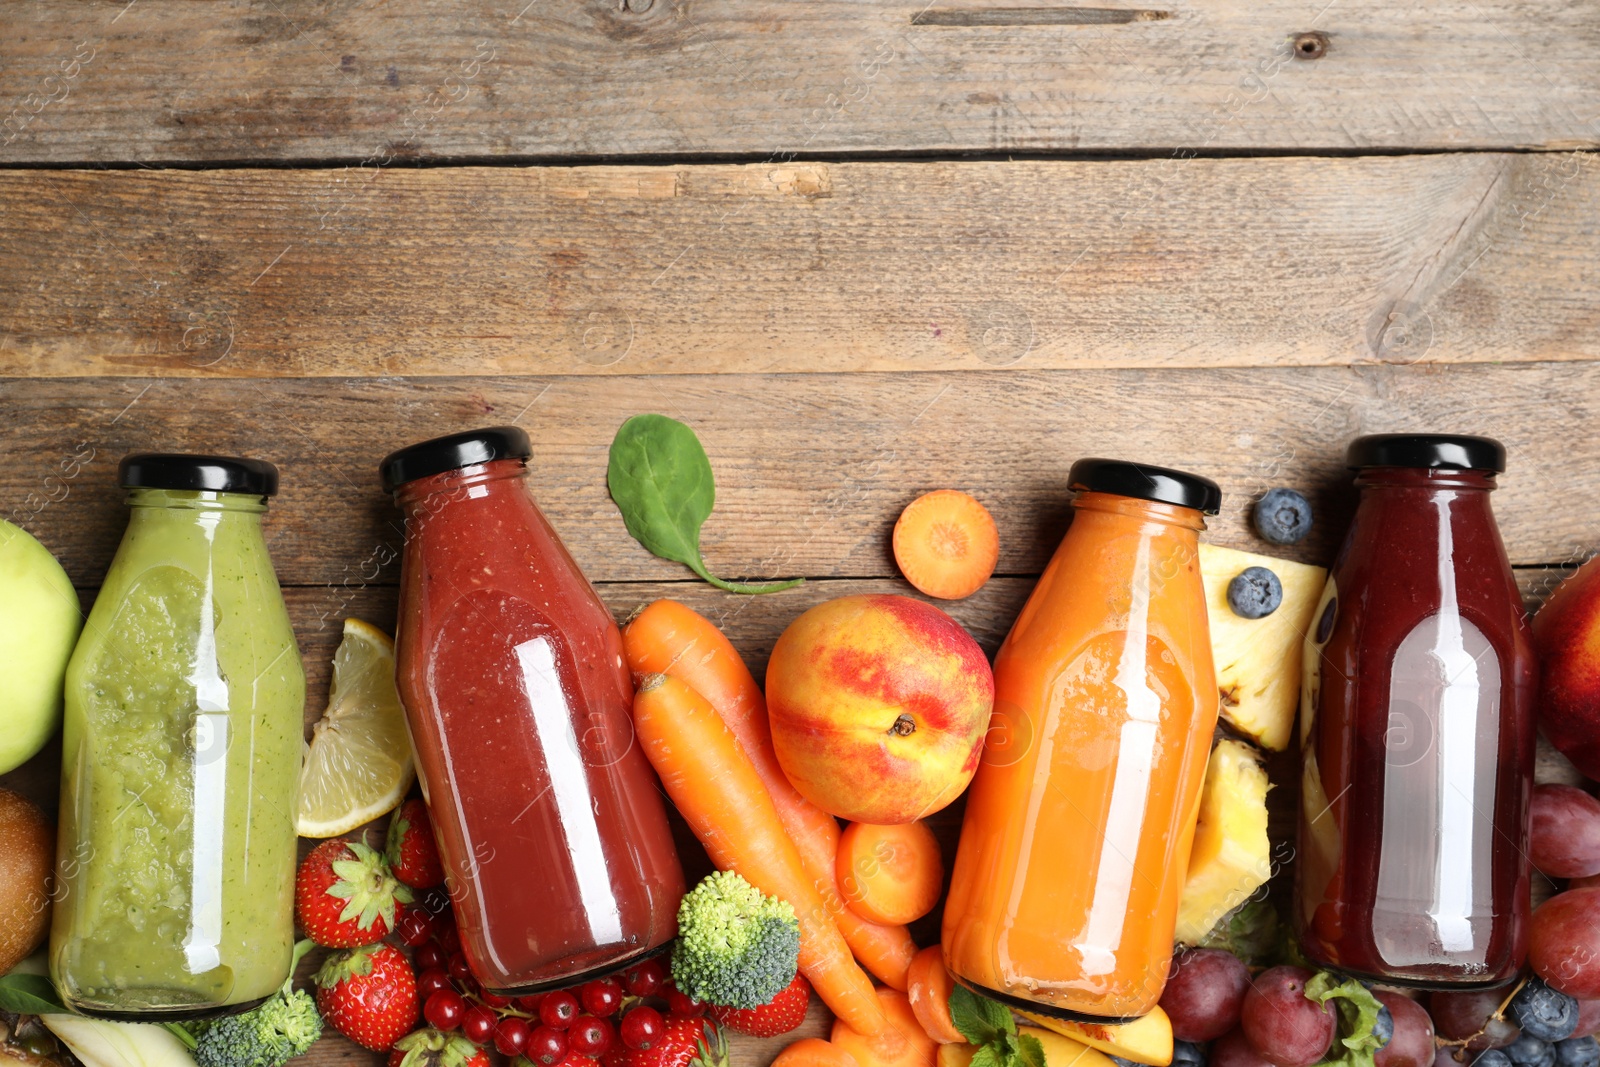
x=1417, y=728
x=549, y=820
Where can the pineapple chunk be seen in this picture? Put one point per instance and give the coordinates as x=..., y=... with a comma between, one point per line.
x=1232, y=856
x=1258, y=660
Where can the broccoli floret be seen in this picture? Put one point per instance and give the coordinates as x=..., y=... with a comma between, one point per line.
x=269, y=1035
x=736, y=946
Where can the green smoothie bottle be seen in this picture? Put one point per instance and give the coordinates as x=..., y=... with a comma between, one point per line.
x=181, y=756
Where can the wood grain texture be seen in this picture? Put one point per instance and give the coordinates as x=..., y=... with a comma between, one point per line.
x=801, y=268
x=811, y=469
x=165, y=80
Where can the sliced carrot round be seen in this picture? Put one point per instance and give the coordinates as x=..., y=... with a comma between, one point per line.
x=889, y=874
x=946, y=544
x=814, y=1052
x=928, y=987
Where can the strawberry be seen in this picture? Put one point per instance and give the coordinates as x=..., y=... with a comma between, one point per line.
x=369, y=994
x=435, y=1048
x=684, y=1044
x=781, y=1014
x=345, y=895
x=413, y=856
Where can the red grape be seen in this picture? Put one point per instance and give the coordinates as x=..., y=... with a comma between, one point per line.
x=1462, y=1014
x=443, y=1009
x=1564, y=944
x=645, y=979
x=1565, y=842
x=511, y=1035
x=478, y=1023
x=1281, y=1023
x=681, y=1004
x=642, y=1027
x=1412, y=1043
x=589, y=1036
x=431, y=981
x=1233, y=1050
x=558, y=1009
x=601, y=997
x=546, y=1046
x=1205, y=993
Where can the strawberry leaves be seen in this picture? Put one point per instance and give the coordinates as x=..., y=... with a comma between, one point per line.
x=989, y=1025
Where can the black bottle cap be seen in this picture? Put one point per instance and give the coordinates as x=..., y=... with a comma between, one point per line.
x=1144, y=482
x=1458, y=451
x=215, y=474
x=458, y=450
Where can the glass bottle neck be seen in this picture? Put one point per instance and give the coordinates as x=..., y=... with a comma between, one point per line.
x=430, y=494
x=1428, y=479
x=197, y=500
x=1140, y=510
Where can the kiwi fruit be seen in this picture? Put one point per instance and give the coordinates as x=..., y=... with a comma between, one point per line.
x=27, y=864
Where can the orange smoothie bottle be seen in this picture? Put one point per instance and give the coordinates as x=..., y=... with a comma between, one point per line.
x=1079, y=821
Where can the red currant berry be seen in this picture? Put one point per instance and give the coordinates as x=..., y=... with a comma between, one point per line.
x=432, y=981
x=589, y=1036
x=645, y=979
x=682, y=1004
x=459, y=969
x=430, y=955
x=443, y=1009
x=494, y=1000
x=478, y=1023
x=642, y=1027
x=558, y=1009
x=547, y=1046
x=601, y=997
x=511, y=1035
x=529, y=1003
x=415, y=926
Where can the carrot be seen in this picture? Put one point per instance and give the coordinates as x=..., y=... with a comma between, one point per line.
x=903, y=1042
x=670, y=638
x=890, y=874
x=814, y=1052
x=720, y=796
x=929, y=987
x=946, y=544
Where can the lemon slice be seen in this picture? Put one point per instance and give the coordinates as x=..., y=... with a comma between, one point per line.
x=358, y=764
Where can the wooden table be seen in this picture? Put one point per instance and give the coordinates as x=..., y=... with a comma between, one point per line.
x=866, y=250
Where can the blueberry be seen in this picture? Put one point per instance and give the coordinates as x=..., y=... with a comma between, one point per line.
x=1577, y=1052
x=1283, y=516
x=1529, y=1051
x=1255, y=593
x=1492, y=1057
x=1189, y=1054
x=1543, y=1012
x=1120, y=1062
x=1383, y=1029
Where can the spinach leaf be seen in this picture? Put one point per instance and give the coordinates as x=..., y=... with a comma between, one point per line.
x=29, y=994
x=661, y=480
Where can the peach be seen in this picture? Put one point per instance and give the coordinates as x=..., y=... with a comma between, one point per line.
x=878, y=706
x=1567, y=633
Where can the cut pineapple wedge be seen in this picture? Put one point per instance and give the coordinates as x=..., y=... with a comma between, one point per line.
x=1232, y=856
x=1258, y=660
x=358, y=765
x=1147, y=1039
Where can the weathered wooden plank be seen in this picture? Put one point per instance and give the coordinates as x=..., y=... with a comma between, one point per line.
x=800, y=268
x=163, y=80
x=813, y=469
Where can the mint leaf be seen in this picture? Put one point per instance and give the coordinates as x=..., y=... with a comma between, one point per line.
x=29, y=994
x=981, y=1020
x=986, y=1056
x=1358, y=1009
x=1030, y=1051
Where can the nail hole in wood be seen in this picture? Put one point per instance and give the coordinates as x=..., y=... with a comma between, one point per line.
x=1312, y=45
x=637, y=7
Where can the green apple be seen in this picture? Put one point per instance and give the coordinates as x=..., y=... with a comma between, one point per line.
x=39, y=622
